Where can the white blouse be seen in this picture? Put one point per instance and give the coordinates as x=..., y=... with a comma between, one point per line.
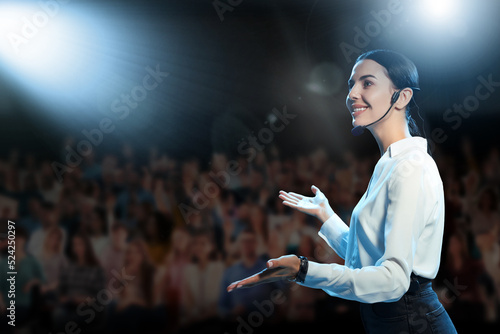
x=395, y=229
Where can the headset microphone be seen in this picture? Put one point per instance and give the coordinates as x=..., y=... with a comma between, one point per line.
x=360, y=129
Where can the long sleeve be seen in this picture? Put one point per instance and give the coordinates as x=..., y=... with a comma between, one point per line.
x=411, y=205
x=335, y=233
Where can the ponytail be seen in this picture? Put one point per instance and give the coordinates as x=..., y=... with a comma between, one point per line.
x=412, y=125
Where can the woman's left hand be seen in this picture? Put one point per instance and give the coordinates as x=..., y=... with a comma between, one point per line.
x=284, y=267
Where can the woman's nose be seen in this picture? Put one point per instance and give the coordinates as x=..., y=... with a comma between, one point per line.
x=353, y=94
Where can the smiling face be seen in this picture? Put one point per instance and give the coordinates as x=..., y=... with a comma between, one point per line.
x=370, y=92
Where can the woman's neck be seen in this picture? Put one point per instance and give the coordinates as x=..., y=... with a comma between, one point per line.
x=388, y=133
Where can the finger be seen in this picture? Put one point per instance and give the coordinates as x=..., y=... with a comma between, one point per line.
x=316, y=191
x=272, y=263
x=289, y=199
x=232, y=286
x=247, y=282
x=297, y=196
x=285, y=194
x=291, y=195
x=290, y=204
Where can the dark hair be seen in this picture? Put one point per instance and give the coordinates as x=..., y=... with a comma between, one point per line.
x=402, y=72
x=90, y=257
x=101, y=215
x=204, y=233
x=147, y=270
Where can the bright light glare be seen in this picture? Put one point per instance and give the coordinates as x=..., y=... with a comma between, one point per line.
x=43, y=49
x=72, y=60
x=439, y=9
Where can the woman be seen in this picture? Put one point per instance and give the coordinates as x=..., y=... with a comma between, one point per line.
x=134, y=310
x=202, y=294
x=82, y=279
x=171, y=275
x=392, y=246
x=53, y=261
x=97, y=229
x=156, y=232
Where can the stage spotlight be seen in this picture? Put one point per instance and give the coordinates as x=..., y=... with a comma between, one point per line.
x=69, y=61
x=41, y=47
x=439, y=10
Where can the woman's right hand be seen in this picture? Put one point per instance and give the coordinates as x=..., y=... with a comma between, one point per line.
x=317, y=206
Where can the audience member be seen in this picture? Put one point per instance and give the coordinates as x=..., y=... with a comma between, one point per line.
x=79, y=283
x=113, y=255
x=201, y=294
x=242, y=302
x=50, y=219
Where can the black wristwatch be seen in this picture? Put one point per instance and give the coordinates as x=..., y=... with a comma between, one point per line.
x=304, y=265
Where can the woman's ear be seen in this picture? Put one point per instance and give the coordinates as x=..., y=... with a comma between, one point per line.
x=405, y=96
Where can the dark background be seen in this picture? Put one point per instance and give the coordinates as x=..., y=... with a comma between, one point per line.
x=259, y=57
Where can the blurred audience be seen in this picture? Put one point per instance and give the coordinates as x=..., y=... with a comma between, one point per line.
x=149, y=245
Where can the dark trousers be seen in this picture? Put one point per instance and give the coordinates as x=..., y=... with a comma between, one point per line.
x=418, y=311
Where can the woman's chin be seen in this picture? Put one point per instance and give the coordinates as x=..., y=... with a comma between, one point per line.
x=356, y=123
x=360, y=121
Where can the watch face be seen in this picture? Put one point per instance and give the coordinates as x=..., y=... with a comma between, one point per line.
x=301, y=275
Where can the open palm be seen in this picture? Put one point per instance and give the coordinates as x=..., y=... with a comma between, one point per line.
x=284, y=267
x=317, y=206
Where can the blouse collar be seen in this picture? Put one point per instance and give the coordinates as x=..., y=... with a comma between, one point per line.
x=404, y=144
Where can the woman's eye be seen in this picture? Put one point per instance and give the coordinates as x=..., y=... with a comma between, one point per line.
x=367, y=83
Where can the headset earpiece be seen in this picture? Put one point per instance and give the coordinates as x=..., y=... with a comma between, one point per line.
x=395, y=97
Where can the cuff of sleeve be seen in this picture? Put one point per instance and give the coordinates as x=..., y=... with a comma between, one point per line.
x=333, y=230
x=313, y=272
x=320, y=274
